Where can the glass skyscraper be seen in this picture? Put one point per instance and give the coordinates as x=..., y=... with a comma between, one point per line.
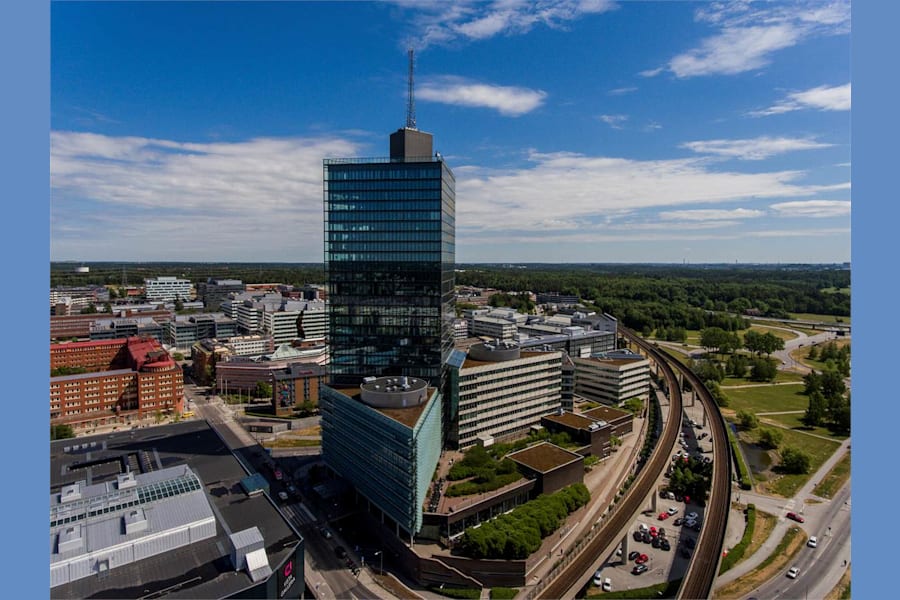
x=389, y=260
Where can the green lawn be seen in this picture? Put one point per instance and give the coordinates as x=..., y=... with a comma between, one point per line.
x=780, y=377
x=835, y=479
x=787, y=325
x=818, y=449
x=794, y=421
x=820, y=318
x=767, y=399
x=682, y=358
x=781, y=333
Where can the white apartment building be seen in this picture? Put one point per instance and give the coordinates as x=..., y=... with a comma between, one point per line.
x=167, y=289
x=501, y=329
x=503, y=391
x=613, y=377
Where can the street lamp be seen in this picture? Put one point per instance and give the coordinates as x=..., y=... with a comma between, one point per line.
x=380, y=554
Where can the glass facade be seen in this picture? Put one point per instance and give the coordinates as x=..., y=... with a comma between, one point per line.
x=389, y=258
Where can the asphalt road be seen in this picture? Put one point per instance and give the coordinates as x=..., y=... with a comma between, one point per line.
x=822, y=567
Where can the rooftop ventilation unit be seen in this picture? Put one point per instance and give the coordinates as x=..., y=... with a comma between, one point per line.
x=249, y=551
x=135, y=520
x=69, y=493
x=69, y=539
x=125, y=481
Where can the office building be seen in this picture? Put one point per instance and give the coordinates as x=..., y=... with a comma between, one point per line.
x=389, y=259
x=384, y=437
x=167, y=289
x=215, y=291
x=185, y=330
x=612, y=377
x=500, y=392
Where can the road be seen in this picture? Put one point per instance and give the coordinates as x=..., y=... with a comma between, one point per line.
x=820, y=567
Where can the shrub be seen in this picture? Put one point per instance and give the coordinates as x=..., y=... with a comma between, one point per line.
x=740, y=548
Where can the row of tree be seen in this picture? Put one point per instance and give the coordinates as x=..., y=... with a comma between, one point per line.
x=518, y=534
x=716, y=339
x=829, y=401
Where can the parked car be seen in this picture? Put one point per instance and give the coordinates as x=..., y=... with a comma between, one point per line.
x=633, y=554
x=646, y=537
x=691, y=516
x=598, y=580
x=690, y=543
x=662, y=532
x=664, y=544
x=340, y=552
x=638, y=569
x=325, y=533
x=678, y=521
x=663, y=516
x=685, y=553
x=278, y=474
x=655, y=542
x=813, y=541
x=795, y=517
x=673, y=510
x=638, y=536
x=607, y=585
x=283, y=496
x=653, y=532
x=642, y=559
x=793, y=572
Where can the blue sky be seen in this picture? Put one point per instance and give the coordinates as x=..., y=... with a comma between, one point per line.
x=586, y=131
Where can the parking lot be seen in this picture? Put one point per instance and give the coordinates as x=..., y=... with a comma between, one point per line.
x=663, y=565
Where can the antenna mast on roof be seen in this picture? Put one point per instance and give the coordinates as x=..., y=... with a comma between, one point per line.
x=410, y=99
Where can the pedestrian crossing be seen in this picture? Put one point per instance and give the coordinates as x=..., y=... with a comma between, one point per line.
x=299, y=514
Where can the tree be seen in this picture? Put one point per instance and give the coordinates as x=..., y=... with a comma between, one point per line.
x=815, y=411
x=770, y=438
x=61, y=432
x=263, y=390
x=795, y=461
x=737, y=365
x=179, y=305
x=763, y=369
x=90, y=309
x=708, y=370
x=747, y=420
x=178, y=356
x=633, y=405
x=832, y=384
x=717, y=393
x=813, y=353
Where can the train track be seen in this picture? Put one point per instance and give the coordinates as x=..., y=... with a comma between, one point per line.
x=704, y=566
x=576, y=573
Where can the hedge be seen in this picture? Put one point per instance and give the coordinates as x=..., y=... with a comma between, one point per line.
x=736, y=553
x=464, y=593
x=743, y=472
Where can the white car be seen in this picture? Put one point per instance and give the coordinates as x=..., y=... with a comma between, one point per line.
x=672, y=510
x=691, y=516
x=607, y=585
x=283, y=496
x=598, y=579
x=793, y=572
x=813, y=541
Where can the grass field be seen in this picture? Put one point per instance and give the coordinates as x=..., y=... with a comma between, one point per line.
x=780, y=377
x=835, y=479
x=793, y=541
x=792, y=327
x=794, y=421
x=770, y=398
x=682, y=358
x=832, y=290
x=288, y=442
x=781, y=333
x=801, y=355
x=820, y=318
x=818, y=449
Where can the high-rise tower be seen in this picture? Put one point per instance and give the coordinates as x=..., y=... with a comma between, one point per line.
x=389, y=259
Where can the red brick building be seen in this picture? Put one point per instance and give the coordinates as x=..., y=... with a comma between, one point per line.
x=127, y=379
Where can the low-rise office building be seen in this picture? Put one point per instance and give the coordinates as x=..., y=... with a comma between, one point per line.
x=621, y=422
x=185, y=330
x=123, y=327
x=295, y=385
x=613, y=377
x=501, y=391
x=168, y=289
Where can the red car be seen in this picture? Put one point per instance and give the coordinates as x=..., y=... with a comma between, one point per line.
x=795, y=517
x=278, y=474
x=641, y=559
x=663, y=516
x=653, y=532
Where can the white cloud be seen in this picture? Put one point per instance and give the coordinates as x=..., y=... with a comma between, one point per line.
x=816, y=209
x=614, y=121
x=753, y=149
x=622, y=90
x=508, y=100
x=585, y=190
x=734, y=51
x=138, y=197
x=447, y=22
x=749, y=34
x=711, y=214
x=818, y=98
